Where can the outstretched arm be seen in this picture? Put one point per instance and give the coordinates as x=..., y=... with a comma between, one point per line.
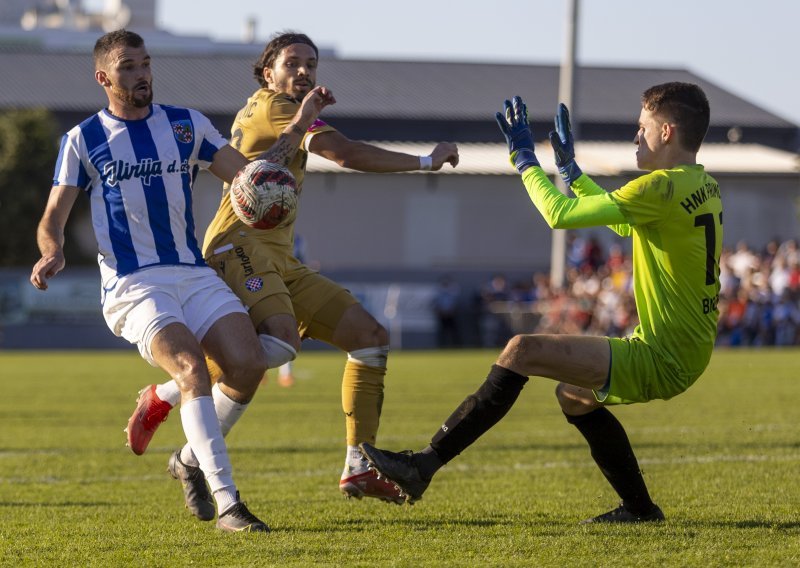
x=228, y=161
x=558, y=210
x=584, y=187
x=365, y=157
x=562, y=212
x=564, y=150
x=50, y=234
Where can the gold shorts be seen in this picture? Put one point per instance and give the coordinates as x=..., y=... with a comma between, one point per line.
x=269, y=282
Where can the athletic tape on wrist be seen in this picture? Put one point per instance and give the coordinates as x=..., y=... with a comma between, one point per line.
x=425, y=163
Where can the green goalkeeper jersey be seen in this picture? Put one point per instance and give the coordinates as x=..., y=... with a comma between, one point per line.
x=675, y=219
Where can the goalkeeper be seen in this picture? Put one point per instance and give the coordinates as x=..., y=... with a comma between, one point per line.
x=674, y=216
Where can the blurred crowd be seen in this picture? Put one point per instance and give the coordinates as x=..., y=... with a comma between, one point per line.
x=759, y=299
x=760, y=296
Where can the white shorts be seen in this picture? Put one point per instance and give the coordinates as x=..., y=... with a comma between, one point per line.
x=141, y=304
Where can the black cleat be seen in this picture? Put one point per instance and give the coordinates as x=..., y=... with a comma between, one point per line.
x=195, y=491
x=399, y=468
x=238, y=518
x=623, y=515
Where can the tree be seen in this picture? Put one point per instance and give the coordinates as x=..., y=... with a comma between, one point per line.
x=28, y=152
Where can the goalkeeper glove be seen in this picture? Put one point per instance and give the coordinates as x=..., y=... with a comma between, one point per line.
x=564, y=147
x=513, y=123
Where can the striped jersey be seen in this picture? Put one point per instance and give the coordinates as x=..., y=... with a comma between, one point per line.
x=139, y=176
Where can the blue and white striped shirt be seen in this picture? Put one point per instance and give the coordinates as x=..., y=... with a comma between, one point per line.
x=139, y=176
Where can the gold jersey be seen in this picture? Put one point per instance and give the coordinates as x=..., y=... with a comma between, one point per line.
x=257, y=126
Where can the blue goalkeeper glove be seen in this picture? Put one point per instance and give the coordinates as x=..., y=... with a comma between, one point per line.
x=564, y=147
x=513, y=123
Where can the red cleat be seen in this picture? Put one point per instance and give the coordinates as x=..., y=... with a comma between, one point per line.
x=367, y=484
x=150, y=412
x=286, y=381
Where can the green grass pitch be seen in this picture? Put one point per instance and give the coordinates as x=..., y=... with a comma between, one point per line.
x=722, y=460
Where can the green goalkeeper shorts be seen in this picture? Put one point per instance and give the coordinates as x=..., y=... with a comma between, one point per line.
x=639, y=373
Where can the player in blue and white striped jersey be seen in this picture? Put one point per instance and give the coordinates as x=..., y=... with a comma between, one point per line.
x=138, y=175
x=137, y=162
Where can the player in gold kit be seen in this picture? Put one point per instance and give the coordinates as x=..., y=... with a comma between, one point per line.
x=288, y=301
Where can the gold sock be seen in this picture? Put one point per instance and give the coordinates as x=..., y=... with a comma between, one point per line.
x=213, y=369
x=362, y=400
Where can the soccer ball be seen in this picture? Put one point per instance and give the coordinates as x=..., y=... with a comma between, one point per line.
x=264, y=195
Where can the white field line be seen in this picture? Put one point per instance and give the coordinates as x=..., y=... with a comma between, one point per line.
x=459, y=467
x=567, y=464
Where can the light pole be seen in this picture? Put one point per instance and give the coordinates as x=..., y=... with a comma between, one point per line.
x=566, y=88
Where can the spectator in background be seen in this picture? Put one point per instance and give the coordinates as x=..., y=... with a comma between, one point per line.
x=541, y=287
x=576, y=250
x=770, y=250
x=779, y=276
x=794, y=277
x=494, y=298
x=751, y=318
x=732, y=313
x=788, y=249
x=728, y=281
x=584, y=254
x=743, y=262
x=785, y=316
x=594, y=255
x=445, y=305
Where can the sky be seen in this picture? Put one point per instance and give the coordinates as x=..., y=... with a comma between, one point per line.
x=748, y=47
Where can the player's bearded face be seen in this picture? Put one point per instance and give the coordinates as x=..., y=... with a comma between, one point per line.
x=294, y=71
x=140, y=96
x=130, y=77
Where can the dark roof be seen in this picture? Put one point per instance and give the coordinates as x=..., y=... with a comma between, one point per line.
x=470, y=90
x=217, y=84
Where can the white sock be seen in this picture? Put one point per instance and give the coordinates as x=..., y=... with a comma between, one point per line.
x=169, y=392
x=225, y=499
x=201, y=426
x=188, y=457
x=354, y=462
x=228, y=410
x=228, y=413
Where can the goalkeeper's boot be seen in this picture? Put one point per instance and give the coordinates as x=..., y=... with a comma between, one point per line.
x=368, y=484
x=150, y=412
x=399, y=468
x=623, y=515
x=195, y=491
x=238, y=518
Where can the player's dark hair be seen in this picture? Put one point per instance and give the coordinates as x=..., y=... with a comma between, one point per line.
x=112, y=40
x=276, y=44
x=686, y=105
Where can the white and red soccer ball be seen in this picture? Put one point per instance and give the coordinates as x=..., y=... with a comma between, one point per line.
x=264, y=195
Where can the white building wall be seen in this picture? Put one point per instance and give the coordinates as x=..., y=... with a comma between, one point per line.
x=476, y=222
